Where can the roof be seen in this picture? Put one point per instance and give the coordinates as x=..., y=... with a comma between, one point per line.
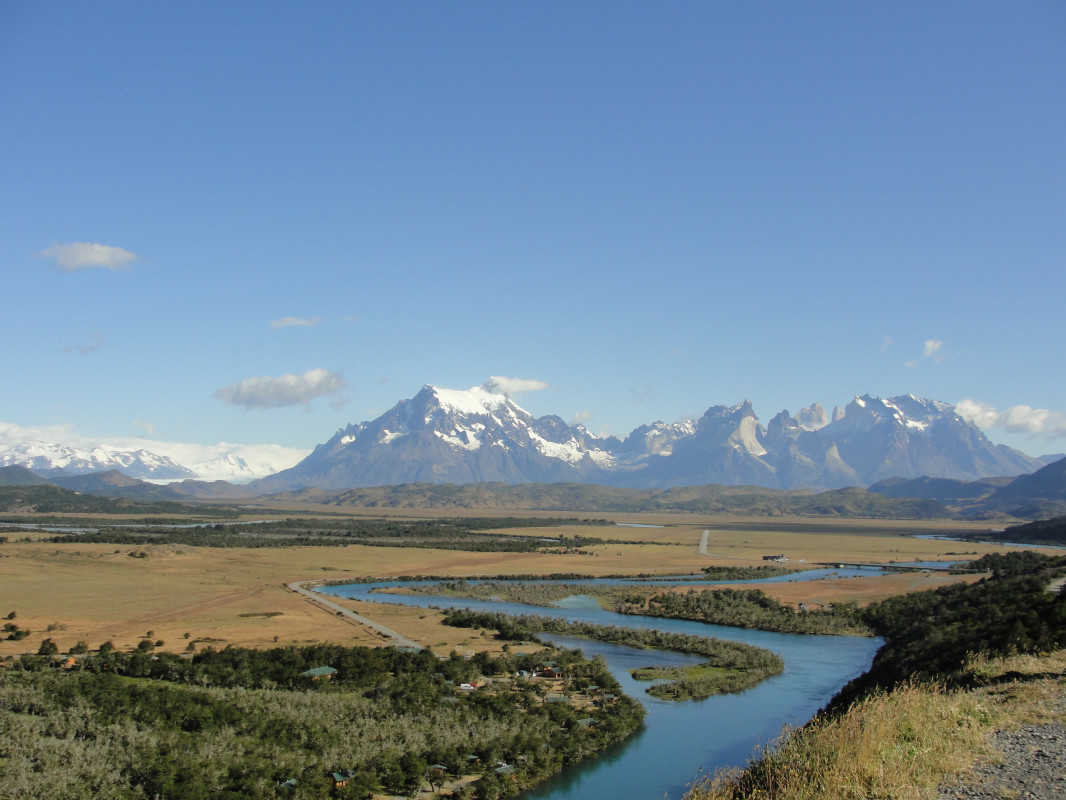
x=318, y=672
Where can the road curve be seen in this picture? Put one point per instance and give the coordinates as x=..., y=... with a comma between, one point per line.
x=398, y=640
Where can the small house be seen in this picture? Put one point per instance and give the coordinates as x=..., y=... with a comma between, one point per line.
x=319, y=673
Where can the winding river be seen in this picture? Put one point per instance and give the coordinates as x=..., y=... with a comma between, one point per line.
x=679, y=741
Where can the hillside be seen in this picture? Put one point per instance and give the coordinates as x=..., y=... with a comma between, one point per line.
x=1036, y=495
x=590, y=498
x=47, y=499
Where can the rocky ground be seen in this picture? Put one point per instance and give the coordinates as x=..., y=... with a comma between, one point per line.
x=1028, y=763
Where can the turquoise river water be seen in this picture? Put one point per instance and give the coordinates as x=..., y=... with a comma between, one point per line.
x=679, y=741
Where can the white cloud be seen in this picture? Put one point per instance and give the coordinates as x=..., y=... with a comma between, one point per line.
x=510, y=386
x=288, y=322
x=581, y=417
x=82, y=255
x=1016, y=419
x=285, y=390
x=11, y=434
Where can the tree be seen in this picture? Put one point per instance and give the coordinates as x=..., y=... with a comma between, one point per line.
x=48, y=648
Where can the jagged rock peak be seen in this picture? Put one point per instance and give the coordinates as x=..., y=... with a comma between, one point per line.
x=812, y=417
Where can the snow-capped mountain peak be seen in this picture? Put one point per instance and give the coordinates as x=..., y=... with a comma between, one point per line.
x=474, y=401
x=480, y=434
x=49, y=458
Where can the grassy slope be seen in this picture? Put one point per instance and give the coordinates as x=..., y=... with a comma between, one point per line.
x=901, y=744
x=891, y=736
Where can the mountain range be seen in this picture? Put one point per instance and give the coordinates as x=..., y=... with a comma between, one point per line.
x=445, y=436
x=223, y=462
x=481, y=435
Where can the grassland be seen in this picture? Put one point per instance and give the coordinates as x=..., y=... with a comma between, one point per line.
x=73, y=591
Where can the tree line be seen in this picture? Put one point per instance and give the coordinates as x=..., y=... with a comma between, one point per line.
x=443, y=534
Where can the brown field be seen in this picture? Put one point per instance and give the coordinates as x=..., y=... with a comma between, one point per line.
x=102, y=592
x=862, y=591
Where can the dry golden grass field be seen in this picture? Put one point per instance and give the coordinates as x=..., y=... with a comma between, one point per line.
x=180, y=594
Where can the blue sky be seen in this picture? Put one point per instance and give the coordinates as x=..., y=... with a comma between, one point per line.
x=257, y=222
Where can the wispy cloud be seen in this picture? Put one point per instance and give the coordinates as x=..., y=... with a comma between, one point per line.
x=931, y=348
x=514, y=385
x=289, y=322
x=1037, y=422
x=84, y=255
x=285, y=390
x=96, y=341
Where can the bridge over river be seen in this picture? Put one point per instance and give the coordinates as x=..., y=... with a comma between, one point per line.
x=924, y=566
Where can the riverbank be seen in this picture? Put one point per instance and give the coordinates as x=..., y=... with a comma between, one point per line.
x=1002, y=737
x=961, y=667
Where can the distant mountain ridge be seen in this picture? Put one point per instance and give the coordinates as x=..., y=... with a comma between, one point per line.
x=50, y=459
x=482, y=435
x=223, y=461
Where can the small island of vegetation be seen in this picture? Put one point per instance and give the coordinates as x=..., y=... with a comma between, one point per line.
x=730, y=666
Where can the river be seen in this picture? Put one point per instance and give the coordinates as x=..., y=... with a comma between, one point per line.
x=679, y=741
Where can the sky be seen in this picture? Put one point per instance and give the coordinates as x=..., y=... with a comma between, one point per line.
x=257, y=222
